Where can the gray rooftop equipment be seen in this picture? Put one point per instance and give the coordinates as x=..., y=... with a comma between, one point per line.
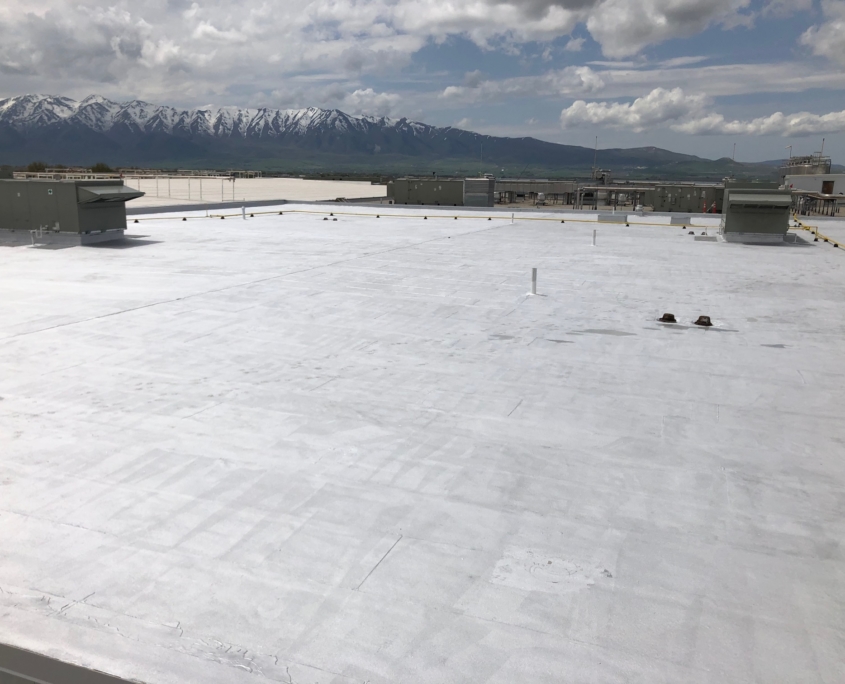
x=70, y=212
x=478, y=192
x=447, y=192
x=755, y=212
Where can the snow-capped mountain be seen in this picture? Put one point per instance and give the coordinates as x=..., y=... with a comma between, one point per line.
x=28, y=112
x=56, y=129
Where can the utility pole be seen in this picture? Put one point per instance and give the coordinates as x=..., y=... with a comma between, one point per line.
x=789, y=147
x=733, y=156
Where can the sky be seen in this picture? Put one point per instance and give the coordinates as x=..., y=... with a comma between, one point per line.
x=693, y=76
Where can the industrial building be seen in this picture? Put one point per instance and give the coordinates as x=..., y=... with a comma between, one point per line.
x=283, y=449
x=445, y=192
x=658, y=196
x=815, y=190
x=64, y=211
x=820, y=183
x=513, y=190
x=809, y=165
x=690, y=198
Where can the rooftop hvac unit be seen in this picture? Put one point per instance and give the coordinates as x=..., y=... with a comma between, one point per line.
x=478, y=192
x=81, y=211
x=755, y=213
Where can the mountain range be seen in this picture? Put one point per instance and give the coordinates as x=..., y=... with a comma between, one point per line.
x=58, y=129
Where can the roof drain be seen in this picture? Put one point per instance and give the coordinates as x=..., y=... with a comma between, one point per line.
x=667, y=318
x=704, y=321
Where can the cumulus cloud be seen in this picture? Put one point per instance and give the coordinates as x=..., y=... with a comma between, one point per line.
x=473, y=79
x=367, y=101
x=785, y=8
x=353, y=100
x=568, y=81
x=690, y=114
x=329, y=52
x=792, y=125
x=91, y=42
x=828, y=39
x=624, y=28
x=658, y=107
x=630, y=79
x=574, y=44
x=202, y=50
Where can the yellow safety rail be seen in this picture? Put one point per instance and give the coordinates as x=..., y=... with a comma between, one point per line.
x=815, y=231
x=455, y=217
x=435, y=215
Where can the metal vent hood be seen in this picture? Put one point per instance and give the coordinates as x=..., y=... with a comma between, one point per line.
x=88, y=194
x=759, y=199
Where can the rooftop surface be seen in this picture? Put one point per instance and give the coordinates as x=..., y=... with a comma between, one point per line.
x=295, y=450
x=197, y=190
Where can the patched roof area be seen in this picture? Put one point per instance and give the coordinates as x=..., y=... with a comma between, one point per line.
x=291, y=449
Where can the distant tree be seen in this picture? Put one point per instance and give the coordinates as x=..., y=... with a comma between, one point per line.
x=100, y=167
x=36, y=167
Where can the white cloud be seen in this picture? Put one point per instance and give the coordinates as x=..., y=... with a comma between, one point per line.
x=367, y=101
x=568, y=81
x=785, y=8
x=658, y=107
x=195, y=50
x=793, y=125
x=828, y=39
x=574, y=44
x=682, y=61
x=624, y=28
x=326, y=52
x=628, y=79
x=473, y=79
x=689, y=114
x=353, y=100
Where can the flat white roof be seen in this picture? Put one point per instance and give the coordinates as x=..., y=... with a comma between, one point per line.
x=295, y=450
x=199, y=190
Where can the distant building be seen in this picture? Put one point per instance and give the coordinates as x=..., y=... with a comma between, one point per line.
x=510, y=190
x=688, y=198
x=444, y=192
x=809, y=165
x=821, y=183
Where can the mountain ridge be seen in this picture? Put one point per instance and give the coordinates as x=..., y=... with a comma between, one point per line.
x=59, y=129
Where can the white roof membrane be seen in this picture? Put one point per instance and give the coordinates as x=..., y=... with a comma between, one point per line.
x=294, y=450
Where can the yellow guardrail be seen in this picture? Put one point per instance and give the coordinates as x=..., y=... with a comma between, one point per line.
x=454, y=217
x=815, y=231
x=436, y=215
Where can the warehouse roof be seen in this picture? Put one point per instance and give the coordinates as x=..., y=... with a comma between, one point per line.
x=291, y=449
